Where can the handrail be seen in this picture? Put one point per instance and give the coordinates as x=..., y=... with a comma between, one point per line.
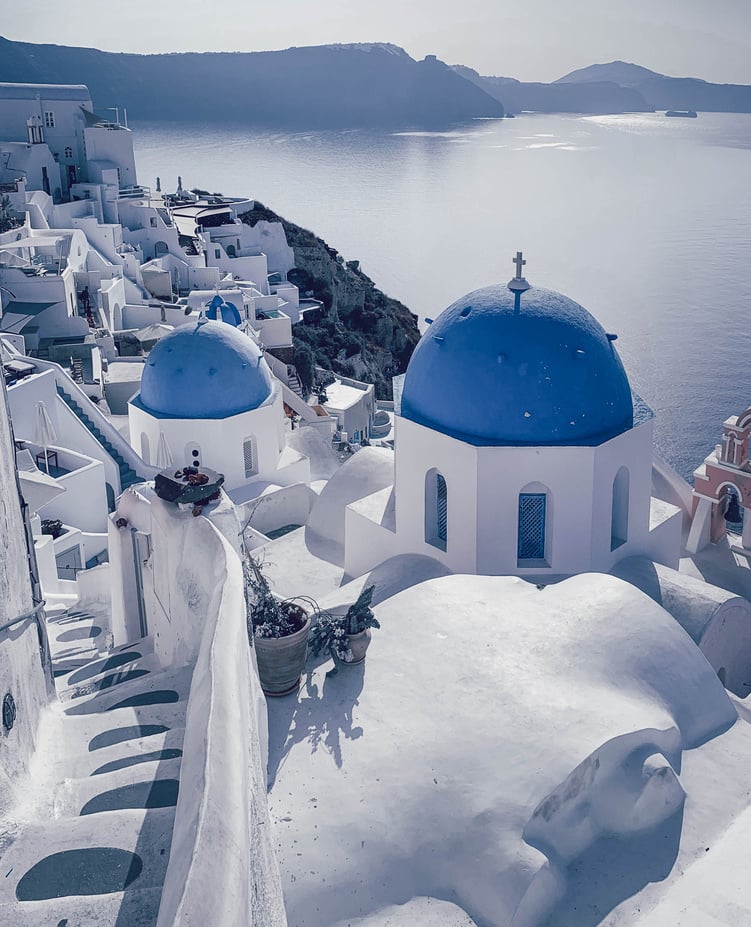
x=44, y=645
x=103, y=424
x=34, y=613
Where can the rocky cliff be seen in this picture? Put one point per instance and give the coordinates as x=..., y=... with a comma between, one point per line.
x=327, y=86
x=359, y=332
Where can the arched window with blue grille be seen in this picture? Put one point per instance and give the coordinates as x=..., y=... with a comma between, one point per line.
x=436, y=510
x=532, y=536
x=619, y=510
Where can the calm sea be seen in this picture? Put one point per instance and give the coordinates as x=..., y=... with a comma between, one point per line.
x=643, y=219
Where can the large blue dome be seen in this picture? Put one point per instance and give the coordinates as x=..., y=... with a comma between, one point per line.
x=543, y=375
x=204, y=370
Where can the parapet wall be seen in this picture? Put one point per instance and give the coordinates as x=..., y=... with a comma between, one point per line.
x=222, y=869
x=22, y=674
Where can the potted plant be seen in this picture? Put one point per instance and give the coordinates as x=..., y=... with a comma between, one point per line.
x=279, y=632
x=346, y=637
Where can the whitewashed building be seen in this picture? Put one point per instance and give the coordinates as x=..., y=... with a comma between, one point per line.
x=520, y=448
x=85, y=146
x=208, y=399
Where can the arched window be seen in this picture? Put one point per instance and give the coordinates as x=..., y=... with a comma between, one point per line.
x=160, y=248
x=619, y=511
x=250, y=457
x=728, y=496
x=533, y=526
x=68, y=152
x=145, y=451
x=436, y=510
x=231, y=252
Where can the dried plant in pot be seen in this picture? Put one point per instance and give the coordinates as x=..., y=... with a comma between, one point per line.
x=346, y=637
x=279, y=631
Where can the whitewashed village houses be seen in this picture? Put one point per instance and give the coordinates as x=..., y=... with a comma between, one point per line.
x=137, y=746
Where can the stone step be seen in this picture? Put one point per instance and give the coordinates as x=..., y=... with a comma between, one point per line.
x=134, y=908
x=153, y=783
x=89, y=856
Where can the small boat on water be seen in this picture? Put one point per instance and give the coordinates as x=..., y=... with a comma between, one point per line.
x=682, y=113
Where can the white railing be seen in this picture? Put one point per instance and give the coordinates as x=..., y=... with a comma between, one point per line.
x=101, y=422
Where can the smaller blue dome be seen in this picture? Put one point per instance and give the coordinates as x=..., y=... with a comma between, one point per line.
x=545, y=374
x=221, y=310
x=204, y=370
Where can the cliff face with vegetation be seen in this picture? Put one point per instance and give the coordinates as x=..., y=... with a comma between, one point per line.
x=360, y=332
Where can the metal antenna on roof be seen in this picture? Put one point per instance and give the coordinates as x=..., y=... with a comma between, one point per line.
x=518, y=284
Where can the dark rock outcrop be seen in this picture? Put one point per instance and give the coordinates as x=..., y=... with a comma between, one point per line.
x=360, y=331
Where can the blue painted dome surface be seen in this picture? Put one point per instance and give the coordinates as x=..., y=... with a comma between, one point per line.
x=225, y=311
x=546, y=375
x=204, y=370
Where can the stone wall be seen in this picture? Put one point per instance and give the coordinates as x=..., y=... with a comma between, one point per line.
x=22, y=675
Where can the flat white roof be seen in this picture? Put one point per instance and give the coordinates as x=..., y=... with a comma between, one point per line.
x=45, y=91
x=340, y=396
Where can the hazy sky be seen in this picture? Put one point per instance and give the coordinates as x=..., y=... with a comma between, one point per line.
x=528, y=39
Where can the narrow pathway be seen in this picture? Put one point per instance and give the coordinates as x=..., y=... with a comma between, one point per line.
x=90, y=840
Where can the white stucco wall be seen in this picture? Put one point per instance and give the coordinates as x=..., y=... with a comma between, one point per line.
x=23, y=398
x=220, y=441
x=21, y=671
x=115, y=145
x=222, y=869
x=483, y=486
x=84, y=502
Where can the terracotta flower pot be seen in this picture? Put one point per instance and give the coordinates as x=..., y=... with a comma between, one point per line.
x=281, y=660
x=358, y=645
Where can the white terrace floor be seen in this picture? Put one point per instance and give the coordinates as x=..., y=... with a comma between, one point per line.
x=91, y=842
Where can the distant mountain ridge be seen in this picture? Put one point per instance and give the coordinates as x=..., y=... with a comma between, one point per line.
x=365, y=85
x=663, y=92
x=311, y=87
x=622, y=73
x=614, y=87
x=593, y=98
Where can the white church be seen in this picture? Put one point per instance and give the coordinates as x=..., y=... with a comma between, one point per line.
x=521, y=453
x=208, y=398
x=520, y=449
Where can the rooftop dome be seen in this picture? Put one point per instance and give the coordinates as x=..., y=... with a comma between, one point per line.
x=546, y=374
x=206, y=370
x=223, y=310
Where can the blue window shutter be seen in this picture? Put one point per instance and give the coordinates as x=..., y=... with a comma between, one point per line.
x=441, y=508
x=532, y=511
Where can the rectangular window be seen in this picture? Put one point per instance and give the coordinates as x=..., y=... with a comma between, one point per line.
x=152, y=222
x=532, y=512
x=68, y=563
x=217, y=253
x=49, y=120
